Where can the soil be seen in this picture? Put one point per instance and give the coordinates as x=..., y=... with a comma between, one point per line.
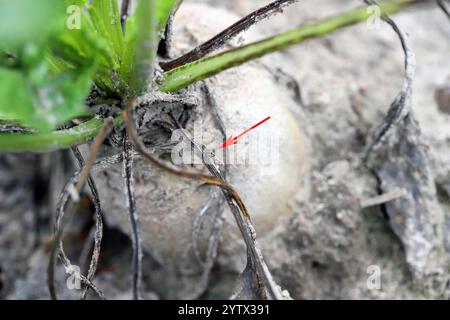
x=326, y=246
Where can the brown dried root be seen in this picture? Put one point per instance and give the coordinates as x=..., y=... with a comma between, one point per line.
x=72, y=208
x=63, y=200
x=98, y=233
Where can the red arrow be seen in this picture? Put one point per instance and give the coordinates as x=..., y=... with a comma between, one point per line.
x=232, y=140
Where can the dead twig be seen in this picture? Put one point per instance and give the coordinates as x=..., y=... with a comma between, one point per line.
x=383, y=199
x=225, y=36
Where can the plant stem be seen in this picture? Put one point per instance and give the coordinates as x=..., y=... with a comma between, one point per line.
x=198, y=70
x=55, y=140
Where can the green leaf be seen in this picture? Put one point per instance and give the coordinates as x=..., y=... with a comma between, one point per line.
x=100, y=39
x=77, y=46
x=106, y=18
x=36, y=99
x=196, y=71
x=25, y=20
x=14, y=95
x=142, y=34
x=56, y=64
x=141, y=46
